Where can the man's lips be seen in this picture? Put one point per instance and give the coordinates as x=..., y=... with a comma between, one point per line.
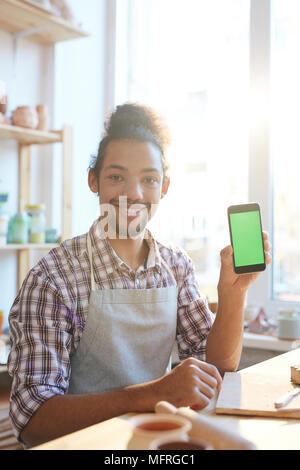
x=131, y=210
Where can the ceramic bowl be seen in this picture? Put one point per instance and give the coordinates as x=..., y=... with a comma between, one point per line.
x=148, y=427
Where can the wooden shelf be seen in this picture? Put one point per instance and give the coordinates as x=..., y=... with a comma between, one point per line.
x=28, y=136
x=20, y=15
x=28, y=246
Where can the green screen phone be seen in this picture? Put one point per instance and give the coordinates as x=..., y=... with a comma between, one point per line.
x=246, y=238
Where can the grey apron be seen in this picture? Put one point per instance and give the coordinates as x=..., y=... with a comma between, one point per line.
x=128, y=337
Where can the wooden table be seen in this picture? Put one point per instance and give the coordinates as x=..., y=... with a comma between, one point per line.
x=265, y=433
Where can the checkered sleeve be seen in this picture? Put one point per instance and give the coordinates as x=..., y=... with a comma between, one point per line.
x=40, y=348
x=194, y=317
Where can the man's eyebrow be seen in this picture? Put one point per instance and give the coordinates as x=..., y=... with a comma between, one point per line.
x=123, y=168
x=150, y=170
x=115, y=167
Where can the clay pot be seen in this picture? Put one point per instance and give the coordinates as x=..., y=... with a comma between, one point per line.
x=25, y=116
x=149, y=427
x=44, y=4
x=180, y=444
x=3, y=104
x=43, y=116
x=62, y=8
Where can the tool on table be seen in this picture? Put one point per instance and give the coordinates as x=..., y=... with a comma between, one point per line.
x=285, y=399
x=204, y=428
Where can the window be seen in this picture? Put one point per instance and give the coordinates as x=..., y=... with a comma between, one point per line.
x=285, y=147
x=190, y=60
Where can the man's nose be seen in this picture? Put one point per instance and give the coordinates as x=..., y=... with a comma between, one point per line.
x=133, y=190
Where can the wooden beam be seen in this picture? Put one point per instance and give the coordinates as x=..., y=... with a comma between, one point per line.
x=23, y=266
x=24, y=176
x=24, y=198
x=67, y=142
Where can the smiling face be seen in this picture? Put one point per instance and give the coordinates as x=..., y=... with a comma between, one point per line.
x=130, y=185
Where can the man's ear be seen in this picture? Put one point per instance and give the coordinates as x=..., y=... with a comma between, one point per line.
x=165, y=186
x=93, y=182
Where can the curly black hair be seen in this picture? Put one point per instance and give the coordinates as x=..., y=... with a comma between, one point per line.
x=136, y=122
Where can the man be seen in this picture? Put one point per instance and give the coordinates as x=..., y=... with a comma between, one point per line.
x=94, y=324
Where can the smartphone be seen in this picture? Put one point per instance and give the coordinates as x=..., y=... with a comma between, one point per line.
x=246, y=238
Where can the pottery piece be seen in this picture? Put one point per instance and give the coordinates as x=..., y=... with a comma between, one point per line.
x=261, y=323
x=180, y=444
x=63, y=9
x=3, y=104
x=45, y=4
x=3, y=98
x=8, y=121
x=43, y=117
x=25, y=116
x=204, y=427
x=149, y=427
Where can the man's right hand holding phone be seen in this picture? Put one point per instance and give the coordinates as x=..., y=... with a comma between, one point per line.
x=225, y=340
x=241, y=282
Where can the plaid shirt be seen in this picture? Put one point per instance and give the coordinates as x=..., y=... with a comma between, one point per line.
x=49, y=314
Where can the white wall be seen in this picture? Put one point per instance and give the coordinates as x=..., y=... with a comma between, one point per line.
x=70, y=78
x=80, y=101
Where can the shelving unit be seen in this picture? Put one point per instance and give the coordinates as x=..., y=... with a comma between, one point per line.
x=42, y=26
x=26, y=138
x=24, y=18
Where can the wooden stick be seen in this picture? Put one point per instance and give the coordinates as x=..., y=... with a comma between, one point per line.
x=285, y=399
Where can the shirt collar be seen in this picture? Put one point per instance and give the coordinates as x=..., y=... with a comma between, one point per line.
x=104, y=249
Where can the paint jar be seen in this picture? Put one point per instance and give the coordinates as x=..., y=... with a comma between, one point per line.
x=289, y=324
x=51, y=235
x=37, y=223
x=3, y=198
x=18, y=229
x=148, y=427
x=180, y=444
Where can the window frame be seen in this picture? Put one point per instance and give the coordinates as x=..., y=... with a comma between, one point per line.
x=260, y=154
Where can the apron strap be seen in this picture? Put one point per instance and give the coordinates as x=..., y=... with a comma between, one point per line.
x=89, y=250
x=169, y=271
